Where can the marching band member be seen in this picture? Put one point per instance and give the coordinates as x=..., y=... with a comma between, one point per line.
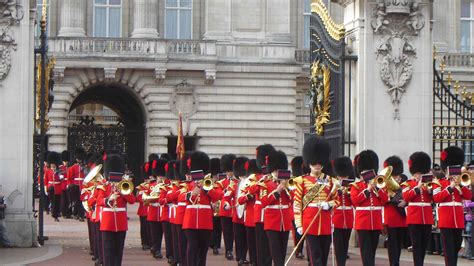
x=86, y=194
x=142, y=210
x=225, y=212
x=172, y=198
x=165, y=211
x=343, y=215
x=315, y=196
x=113, y=223
x=394, y=213
x=65, y=206
x=419, y=211
x=75, y=177
x=276, y=201
x=297, y=171
x=368, y=200
x=449, y=194
x=197, y=222
x=214, y=169
x=52, y=182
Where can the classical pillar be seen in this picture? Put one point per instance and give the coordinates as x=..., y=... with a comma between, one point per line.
x=145, y=19
x=72, y=18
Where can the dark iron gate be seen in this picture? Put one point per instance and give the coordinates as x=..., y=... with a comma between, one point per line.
x=453, y=110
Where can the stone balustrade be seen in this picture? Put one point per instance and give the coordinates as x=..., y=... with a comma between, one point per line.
x=459, y=59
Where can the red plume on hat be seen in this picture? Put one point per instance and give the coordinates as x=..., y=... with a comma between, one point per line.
x=147, y=167
x=166, y=167
x=246, y=166
x=188, y=163
x=154, y=164
x=104, y=157
x=444, y=155
x=410, y=163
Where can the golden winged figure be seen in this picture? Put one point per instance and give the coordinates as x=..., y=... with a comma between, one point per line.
x=320, y=89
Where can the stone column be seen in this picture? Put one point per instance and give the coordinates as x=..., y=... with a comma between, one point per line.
x=72, y=18
x=145, y=19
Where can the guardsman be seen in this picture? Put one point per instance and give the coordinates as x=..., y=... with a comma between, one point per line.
x=297, y=171
x=394, y=213
x=165, y=210
x=449, y=194
x=172, y=198
x=315, y=197
x=215, y=169
x=369, y=201
x=276, y=201
x=113, y=223
x=65, y=206
x=343, y=215
x=225, y=212
x=185, y=179
x=75, y=176
x=52, y=181
x=197, y=222
x=419, y=196
x=230, y=200
x=142, y=210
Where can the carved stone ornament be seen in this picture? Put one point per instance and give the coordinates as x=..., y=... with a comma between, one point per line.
x=58, y=73
x=396, y=22
x=210, y=76
x=160, y=75
x=109, y=73
x=184, y=100
x=10, y=13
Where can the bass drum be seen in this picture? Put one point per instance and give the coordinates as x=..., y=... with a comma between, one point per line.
x=243, y=184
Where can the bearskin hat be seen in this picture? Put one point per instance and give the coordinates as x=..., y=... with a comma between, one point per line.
x=177, y=171
x=169, y=169
x=94, y=159
x=227, y=162
x=251, y=167
x=165, y=156
x=158, y=167
x=199, y=161
x=214, y=166
x=65, y=156
x=367, y=160
x=297, y=166
x=147, y=171
x=451, y=156
x=328, y=169
x=184, y=165
x=80, y=154
x=277, y=161
x=419, y=162
x=396, y=163
x=239, y=166
x=316, y=150
x=54, y=158
x=261, y=154
x=342, y=167
x=114, y=165
x=153, y=156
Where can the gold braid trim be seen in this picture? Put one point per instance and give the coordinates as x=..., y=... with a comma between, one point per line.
x=336, y=31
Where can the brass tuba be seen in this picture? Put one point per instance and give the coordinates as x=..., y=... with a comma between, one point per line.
x=384, y=179
x=94, y=175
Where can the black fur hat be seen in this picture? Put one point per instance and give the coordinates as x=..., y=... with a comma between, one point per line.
x=214, y=166
x=177, y=171
x=396, y=163
x=297, y=166
x=158, y=167
x=169, y=168
x=147, y=171
x=184, y=165
x=251, y=167
x=367, y=160
x=65, y=156
x=316, y=150
x=94, y=158
x=153, y=156
x=277, y=161
x=54, y=158
x=199, y=161
x=165, y=156
x=80, y=154
x=328, y=169
x=261, y=154
x=227, y=162
x=342, y=167
x=419, y=162
x=114, y=165
x=239, y=166
x=450, y=156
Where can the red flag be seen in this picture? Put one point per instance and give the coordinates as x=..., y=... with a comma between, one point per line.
x=180, y=142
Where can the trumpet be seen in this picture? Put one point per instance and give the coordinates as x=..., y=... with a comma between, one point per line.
x=207, y=183
x=466, y=179
x=125, y=187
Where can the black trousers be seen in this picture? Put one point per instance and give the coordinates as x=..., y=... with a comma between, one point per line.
x=297, y=238
x=46, y=203
x=168, y=239
x=420, y=237
x=156, y=230
x=319, y=247
x=452, y=240
x=91, y=231
x=198, y=244
x=65, y=208
x=341, y=244
x=240, y=236
x=74, y=196
x=183, y=245
x=228, y=234
x=252, y=244
x=174, y=236
x=278, y=243
x=216, y=232
x=395, y=241
x=368, y=241
x=55, y=201
x=144, y=232
x=263, y=248
x=98, y=248
x=113, y=243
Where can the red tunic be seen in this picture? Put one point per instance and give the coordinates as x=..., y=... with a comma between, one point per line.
x=76, y=175
x=255, y=190
x=223, y=186
x=230, y=198
x=114, y=218
x=182, y=202
x=63, y=169
x=172, y=197
x=165, y=205
x=249, y=203
x=153, y=206
x=450, y=208
x=53, y=179
x=392, y=216
x=277, y=208
x=368, y=214
x=142, y=208
x=198, y=214
x=343, y=215
x=419, y=210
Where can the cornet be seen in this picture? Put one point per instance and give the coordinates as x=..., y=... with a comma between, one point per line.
x=207, y=183
x=466, y=179
x=125, y=187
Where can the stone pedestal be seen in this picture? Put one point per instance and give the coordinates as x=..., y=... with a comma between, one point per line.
x=16, y=122
x=145, y=19
x=72, y=19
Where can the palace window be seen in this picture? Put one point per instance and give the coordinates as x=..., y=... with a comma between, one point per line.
x=39, y=12
x=178, y=17
x=306, y=22
x=107, y=18
x=467, y=29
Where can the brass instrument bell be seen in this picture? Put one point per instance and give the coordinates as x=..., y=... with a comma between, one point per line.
x=293, y=182
x=466, y=179
x=125, y=187
x=207, y=183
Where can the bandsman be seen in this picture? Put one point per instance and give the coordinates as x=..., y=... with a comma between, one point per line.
x=297, y=172
x=52, y=182
x=142, y=210
x=65, y=205
x=215, y=169
x=75, y=177
x=165, y=209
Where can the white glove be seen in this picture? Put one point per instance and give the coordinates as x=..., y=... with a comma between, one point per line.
x=226, y=206
x=324, y=205
x=61, y=177
x=299, y=230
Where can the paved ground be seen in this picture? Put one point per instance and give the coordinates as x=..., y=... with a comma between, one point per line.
x=68, y=242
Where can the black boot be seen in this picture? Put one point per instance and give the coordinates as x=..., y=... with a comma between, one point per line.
x=229, y=255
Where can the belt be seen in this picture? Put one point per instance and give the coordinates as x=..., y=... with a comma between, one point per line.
x=155, y=204
x=419, y=204
x=258, y=202
x=370, y=208
x=114, y=209
x=198, y=206
x=170, y=205
x=277, y=207
x=54, y=183
x=181, y=203
x=452, y=203
x=344, y=208
x=78, y=179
